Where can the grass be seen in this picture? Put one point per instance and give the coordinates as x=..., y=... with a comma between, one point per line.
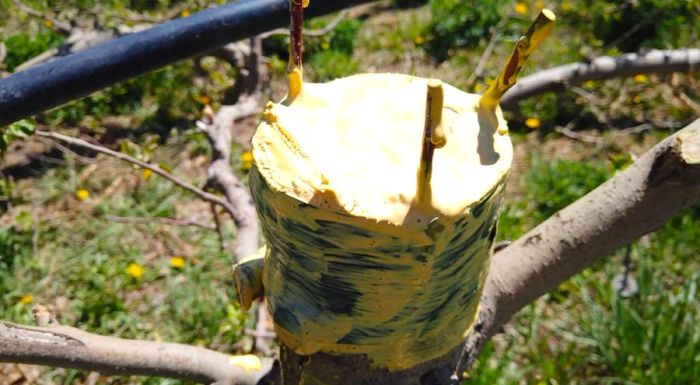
x=121, y=279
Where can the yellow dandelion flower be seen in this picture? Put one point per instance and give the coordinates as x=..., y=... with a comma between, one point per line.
x=589, y=84
x=177, y=262
x=566, y=6
x=135, y=270
x=532, y=123
x=641, y=78
x=184, y=13
x=478, y=87
x=26, y=299
x=82, y=194
x=146, y=174
x=419, y=39
x=247, y=160
x=521, y=8
x=325, y=45
x=204, y=99
x=539, y=4
x=246, y=362
x=48, y=23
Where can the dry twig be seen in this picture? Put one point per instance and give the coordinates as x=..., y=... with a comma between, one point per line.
x=153, y=167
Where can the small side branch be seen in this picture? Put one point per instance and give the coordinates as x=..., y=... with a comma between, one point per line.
x=636, y=201
x=68, y=347
x=160, y=220
x=561, y=78
x=121, y=156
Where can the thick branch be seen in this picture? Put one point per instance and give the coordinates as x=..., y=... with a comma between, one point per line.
x=68, y=347
x=638, y=200
x=606, y=67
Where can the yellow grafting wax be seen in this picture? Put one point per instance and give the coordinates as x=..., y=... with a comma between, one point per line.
x=368, y=254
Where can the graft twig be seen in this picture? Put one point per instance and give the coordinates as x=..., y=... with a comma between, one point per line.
x=538, y=31
x=129, y=159
x=295, y=31
x=68, y=347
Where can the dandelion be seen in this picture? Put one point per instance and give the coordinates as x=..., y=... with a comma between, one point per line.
x=177, y=262
x=478, y=87
x=325, y=45
x=539, y=4
x=146, y=174
x=532, y=123
x=82, y=194
x=135, y=270
x=641, y=78
x=204, y=99
x=48, y=23
x=26, y=299
x=419, y=40
x=521, y=8
x=184, y=13
x=247, y=160
x=589, y=84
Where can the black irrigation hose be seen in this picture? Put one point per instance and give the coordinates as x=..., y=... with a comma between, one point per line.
x=71, y=77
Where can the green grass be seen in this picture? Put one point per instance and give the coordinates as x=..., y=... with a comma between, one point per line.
x=80, y=267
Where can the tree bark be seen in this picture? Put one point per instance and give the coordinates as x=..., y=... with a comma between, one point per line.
x=68, y=347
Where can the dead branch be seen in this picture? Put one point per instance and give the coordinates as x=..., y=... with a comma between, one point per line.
x=160, y=220
x=560, y=78
x=638, y=200
x=68, y=347
x=129, y=159
x=570, y=133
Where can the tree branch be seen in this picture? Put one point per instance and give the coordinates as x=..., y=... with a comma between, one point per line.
x=160, y=220
x=121, y=156
x=636, y=201
x=606, y=67
x=218, y=129
x=69, y=347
